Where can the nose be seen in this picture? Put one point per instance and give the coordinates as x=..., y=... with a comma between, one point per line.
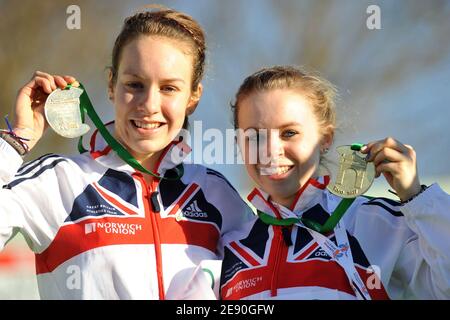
x=271, y=147
x=275, y=145
x=150, y=101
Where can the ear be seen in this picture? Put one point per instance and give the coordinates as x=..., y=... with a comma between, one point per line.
x=327, y=138
x=194, y=99
x=110, y=87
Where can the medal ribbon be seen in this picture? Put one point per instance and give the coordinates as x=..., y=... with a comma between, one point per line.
x=87, y=107
x=329, y=225
x=342, y=254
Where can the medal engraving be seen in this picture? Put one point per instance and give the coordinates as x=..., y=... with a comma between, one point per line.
x=354, y=176
x=62, y=111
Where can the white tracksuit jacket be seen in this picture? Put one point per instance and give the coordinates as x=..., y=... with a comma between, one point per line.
x=407, y=247
x=90, y=221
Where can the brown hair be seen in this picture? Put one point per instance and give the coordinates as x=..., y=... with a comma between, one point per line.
x=320, y=91
x=163, y=22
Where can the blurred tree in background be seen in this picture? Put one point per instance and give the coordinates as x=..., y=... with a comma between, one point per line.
x=34, y=37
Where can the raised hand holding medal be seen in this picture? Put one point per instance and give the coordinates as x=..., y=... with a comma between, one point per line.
x=29, y=114
x=359, y=165
x=398, y=164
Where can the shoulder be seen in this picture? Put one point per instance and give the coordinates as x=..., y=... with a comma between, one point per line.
x=248, y=231
x=376, y=214
x=377, y=220
x=380, y=204
x=218, y=191
x=372, y=212
x=372, y=205
x=209, y=178
x=44, y=167
x=214, y=176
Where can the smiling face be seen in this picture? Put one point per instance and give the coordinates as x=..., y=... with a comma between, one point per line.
x=294, y=140
x=152, y=94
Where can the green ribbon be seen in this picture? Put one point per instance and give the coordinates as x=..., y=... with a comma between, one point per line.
x=87, y=107
x=329, y=225
x=209, y=272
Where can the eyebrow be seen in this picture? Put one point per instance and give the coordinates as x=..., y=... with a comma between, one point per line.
x=289, y=124
x=292, y=123
x=164, y=80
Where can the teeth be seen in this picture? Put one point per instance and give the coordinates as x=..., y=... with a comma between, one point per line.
x=267, y=171
x=282, y=170
x=144, y=125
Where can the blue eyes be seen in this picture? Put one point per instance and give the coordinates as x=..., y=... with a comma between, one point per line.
x=288, y=133
x=168, y=89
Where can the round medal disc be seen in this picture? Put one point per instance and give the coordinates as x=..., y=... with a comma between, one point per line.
x=62, y=111
x=354, y=175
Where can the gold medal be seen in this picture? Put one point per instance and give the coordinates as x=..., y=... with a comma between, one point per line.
x=355, y=175
x=62, y=111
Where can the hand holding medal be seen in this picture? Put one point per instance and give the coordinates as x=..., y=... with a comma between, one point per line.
x=29, y=120
x=360, y=164
x=397, y=162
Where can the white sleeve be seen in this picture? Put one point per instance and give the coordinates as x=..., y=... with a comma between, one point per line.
x=11, y=217
x=10, y=162
x=30, y=198
x=425, y=260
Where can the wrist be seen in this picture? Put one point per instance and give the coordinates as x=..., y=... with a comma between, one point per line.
x=15, y=142
x=26, y=136
x=410, y=198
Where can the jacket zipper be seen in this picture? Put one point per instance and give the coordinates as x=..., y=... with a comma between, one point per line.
x=156, y=236
x=279, y=249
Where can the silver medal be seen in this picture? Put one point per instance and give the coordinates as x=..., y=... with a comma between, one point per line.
x=62, y=111
x=355, y=175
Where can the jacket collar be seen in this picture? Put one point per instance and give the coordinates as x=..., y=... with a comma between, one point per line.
x=307, y=197
x=172, y=155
